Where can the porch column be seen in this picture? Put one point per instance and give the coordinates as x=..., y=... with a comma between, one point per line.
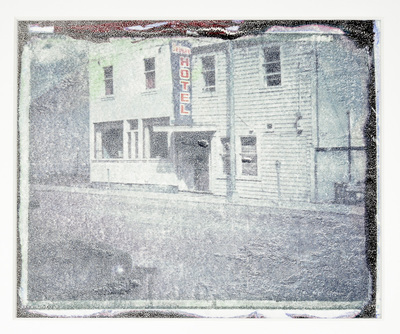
x=140, y=139
x=146, y=142
x=126, y=128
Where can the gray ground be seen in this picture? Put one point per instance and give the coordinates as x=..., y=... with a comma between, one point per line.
x=187, y=250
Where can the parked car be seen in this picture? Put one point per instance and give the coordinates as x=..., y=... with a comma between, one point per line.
x=75, y=270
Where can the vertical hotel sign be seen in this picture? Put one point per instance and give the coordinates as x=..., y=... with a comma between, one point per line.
x=181, y=62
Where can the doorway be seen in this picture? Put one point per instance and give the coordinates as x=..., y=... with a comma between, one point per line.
x=192, y=160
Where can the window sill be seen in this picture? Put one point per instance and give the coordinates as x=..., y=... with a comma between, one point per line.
x=108, y=160
x=150, y=91
x=255, y=178
x=208, y=93
x=108, y=98
x=132, y=160
x=241, y=178
x=265, y=87
x=157, y=160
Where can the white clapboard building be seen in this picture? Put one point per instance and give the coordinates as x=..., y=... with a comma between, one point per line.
x=277, y=116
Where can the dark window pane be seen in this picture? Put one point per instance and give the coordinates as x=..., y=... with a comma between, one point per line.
x=129, y=145
x=248, y=141
x=108, y=80
x=159, y=145
x=149, y=64
x=273, y=67
x=209, y=72
x=112, y=144
x=136, y=145
x=109, y=140
x=208, y=63
x=133, y=124
x=150, y=80
x=272, y=54
x=273, y=80
x=109, y=87
x=108, y=72
x=209, y=78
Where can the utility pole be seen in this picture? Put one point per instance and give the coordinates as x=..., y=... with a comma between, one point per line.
x=349, y=143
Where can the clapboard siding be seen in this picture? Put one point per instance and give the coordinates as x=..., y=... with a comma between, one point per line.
x=210, y=108
x=255, y=106
x=130, y=98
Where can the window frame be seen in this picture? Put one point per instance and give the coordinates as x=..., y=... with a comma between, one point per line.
x=205, y=72
x=252, y=154
x=155, y=142
x=149, y=135
x=104, y=128
x=108, y=78
x=133, y=139
x=148, y=72
x=268, y=62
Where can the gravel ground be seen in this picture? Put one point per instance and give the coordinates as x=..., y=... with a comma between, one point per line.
x=205, y=251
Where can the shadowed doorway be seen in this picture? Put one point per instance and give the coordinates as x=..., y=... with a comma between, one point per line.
x=192, y=160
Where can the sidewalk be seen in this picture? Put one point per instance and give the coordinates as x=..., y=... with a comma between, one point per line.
x=206, y=198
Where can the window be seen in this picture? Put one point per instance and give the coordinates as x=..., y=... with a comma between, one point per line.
x=249, y=155
x=226, y=163
x=155, y=143
x=108, y=80
x=109, y=140
x=150, y=73
x=209, y=73
x=159, y=145
x=272, y=66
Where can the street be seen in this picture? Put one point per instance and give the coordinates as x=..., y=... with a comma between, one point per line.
x=203, y=251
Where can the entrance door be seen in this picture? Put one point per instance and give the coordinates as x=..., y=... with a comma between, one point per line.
x=192, y=151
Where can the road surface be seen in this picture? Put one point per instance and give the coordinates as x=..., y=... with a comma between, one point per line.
x=203, y=251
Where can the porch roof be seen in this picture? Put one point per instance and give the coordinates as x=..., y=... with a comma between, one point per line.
x=182, y=128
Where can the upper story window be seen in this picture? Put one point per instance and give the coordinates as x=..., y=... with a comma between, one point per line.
x=108, y=80
x=150, y=72
x=249, y=155
x=208, y=64
x=272, y=66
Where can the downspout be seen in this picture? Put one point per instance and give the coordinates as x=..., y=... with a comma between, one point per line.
x=231, y=191
x=316, y=142
x=317, y=91
x=349, y=144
